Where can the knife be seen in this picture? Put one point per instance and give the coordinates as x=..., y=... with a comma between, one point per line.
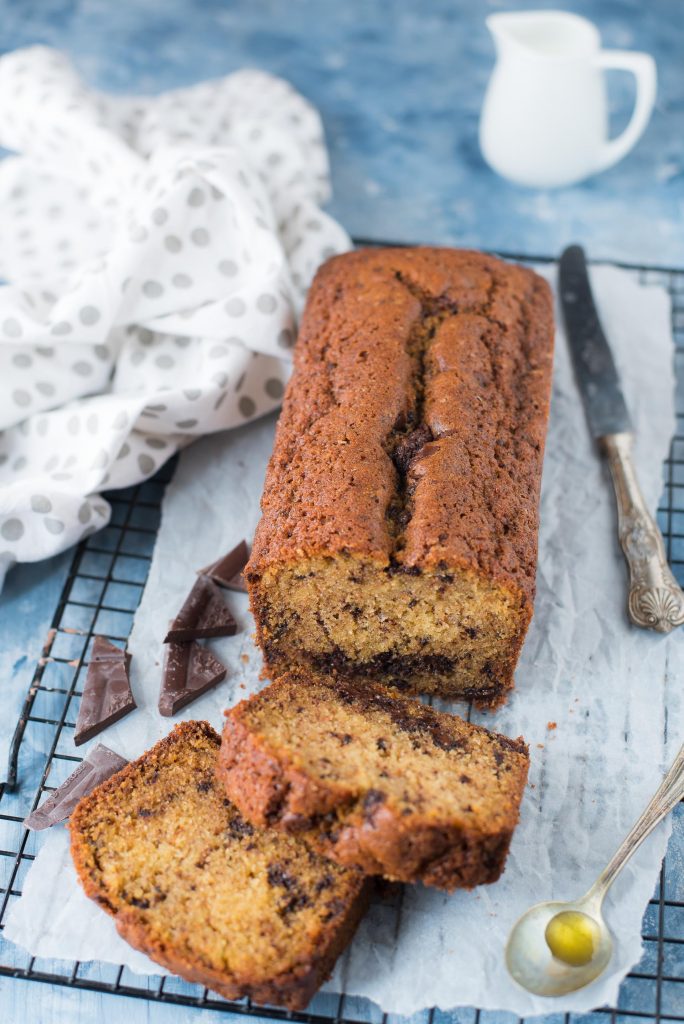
x=656, y=601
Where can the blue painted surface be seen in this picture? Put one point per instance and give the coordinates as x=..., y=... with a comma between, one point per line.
x=400, y=86
x=27, y=605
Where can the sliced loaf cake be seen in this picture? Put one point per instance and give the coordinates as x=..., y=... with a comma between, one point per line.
x=202, y=891
x=376, y=781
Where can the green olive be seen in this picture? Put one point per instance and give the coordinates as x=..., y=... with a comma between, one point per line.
x=572, y=937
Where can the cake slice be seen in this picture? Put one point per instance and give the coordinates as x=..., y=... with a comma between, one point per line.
x=376, y=781
x=202, y=891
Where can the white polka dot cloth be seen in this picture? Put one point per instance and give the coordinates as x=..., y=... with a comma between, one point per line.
x=157, y=252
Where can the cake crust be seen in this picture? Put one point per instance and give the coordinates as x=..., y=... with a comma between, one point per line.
x=409, y=449
x=358, y=820
x=343, y=900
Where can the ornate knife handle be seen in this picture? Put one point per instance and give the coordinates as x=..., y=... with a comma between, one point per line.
x=656, y=601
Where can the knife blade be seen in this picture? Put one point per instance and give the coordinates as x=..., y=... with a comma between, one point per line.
x=655, y=601
x=595, y=372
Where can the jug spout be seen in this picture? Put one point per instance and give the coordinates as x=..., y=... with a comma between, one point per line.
x=543, y=33
x=502, y=27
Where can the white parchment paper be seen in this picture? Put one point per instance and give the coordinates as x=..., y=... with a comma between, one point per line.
x=597, y=700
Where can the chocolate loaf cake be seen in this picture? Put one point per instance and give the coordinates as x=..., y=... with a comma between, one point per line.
x=398, y=539
x=375, y=780
x=202, y=891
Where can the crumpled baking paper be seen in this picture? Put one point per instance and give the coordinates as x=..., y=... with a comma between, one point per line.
x=593, y=698
x=157, y=251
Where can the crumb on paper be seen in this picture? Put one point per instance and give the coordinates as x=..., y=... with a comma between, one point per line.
x=540, y=746
x=551, y=726
x=244, y=658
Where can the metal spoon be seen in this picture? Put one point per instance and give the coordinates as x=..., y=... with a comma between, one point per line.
x=528, y=956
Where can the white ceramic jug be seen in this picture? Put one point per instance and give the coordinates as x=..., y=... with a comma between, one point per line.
x=545, y=120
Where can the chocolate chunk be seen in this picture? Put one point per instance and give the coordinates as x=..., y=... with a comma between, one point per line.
x=409, y=446
x=107, y=693
x=97, y=767
x=227, y=571
x=189, y=671
x=204, y=614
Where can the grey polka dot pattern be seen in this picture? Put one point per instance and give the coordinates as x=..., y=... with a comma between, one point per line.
x=40, y=503
x=182, y=281
x=200, y=236
x=266, y=304
x=12, y=529
x=153, y=289
x=246, y=406
x=89, y=315
x=53, y=525
x=11, y=328
x=274, y=388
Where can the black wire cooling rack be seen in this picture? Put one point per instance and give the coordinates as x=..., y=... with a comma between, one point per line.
x=100, y=595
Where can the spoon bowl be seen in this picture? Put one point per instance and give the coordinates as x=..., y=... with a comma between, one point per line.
x=532, y=964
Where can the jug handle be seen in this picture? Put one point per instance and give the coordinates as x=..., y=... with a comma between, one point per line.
x=643, y=67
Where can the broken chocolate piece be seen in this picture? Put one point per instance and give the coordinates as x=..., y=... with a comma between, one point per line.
x=204, y=614
x=107, y=693
x=100, y=764
x=227, y=571
x=189, y=671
